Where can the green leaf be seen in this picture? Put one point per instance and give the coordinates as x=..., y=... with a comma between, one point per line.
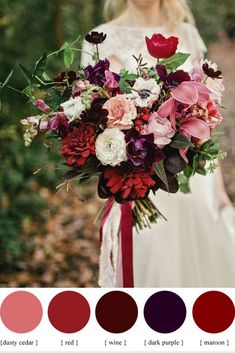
x=183, y=183
x=26, y=73
x=130, y=77
x=40, y=65
x=68, y=56
x=160, y=171
x=195, y=163
x=175, y=61
x=124, y=86
x=51, y=134
x=5, y=83
x=180, y=141
x=64, y=46
x=46, y=77
x=201, y=171
x=188, y=171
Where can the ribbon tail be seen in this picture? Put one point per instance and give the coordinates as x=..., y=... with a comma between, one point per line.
x=127, y=244
x=109, y=255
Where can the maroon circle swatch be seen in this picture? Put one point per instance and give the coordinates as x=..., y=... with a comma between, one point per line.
x=116, y=312
x=213, y=312
x=21, y=312
x=69, y=312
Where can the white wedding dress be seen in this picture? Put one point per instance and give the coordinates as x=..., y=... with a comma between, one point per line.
x=195, y=247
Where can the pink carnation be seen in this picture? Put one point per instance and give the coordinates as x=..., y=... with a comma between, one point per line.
x=122, y=112
x=161, y=128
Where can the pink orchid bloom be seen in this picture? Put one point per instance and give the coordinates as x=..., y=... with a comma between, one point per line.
x=196, y=128
x=191, y=92
x=188, y=92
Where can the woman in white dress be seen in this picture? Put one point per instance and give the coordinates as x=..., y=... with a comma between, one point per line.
x=196, y=246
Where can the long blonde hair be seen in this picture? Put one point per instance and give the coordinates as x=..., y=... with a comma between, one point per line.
x=173, y=12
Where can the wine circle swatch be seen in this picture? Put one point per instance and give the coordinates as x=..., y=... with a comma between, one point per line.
x=213, y=312
x=116, y=312
x=21, y=312
x=69, y=312
x=165, y=312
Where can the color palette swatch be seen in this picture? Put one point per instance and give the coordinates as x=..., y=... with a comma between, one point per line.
x=125, y=318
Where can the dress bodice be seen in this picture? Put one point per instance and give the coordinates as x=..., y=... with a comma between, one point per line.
x=123, y=42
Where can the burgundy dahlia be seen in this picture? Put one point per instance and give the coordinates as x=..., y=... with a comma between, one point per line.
x=95, y=37
x=125, y=186
x=79, y=144
x=96, y=74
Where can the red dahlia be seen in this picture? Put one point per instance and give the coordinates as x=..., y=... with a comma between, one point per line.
x=127, y=186
x=79, y=144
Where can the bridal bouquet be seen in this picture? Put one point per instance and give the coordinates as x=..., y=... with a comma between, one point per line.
x=137, y=132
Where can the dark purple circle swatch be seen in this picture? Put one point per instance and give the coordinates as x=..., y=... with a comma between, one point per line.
x=165, y=312
x=116, y=312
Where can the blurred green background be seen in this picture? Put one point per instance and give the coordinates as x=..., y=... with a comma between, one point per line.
x=39, y=234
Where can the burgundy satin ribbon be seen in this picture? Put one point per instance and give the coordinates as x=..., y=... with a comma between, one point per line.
x=126, y=226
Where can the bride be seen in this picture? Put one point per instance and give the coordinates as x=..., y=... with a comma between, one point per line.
x=195, y=247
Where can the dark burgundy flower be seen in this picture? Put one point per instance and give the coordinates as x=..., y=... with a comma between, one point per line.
x=161, y=47
x=79, y=144
x=162, y=71
x=173, y=79
x=209, y=71
x=124, y=186
x=96, y=114
x=96, y=74
x=173, y=162
x=141, y=150
x=69, y=76
x=95, y=37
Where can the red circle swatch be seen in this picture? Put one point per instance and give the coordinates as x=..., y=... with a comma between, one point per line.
x=69, y=312
x=213, y=312
x=116, y=312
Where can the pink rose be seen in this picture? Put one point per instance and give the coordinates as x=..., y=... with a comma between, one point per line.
x=161, y=128
x=122, y=112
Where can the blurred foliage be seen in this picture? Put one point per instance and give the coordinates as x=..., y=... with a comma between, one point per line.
x=26, y=29
x=213, y=17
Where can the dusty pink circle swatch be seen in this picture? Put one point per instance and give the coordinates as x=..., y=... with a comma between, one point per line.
x=21, y=312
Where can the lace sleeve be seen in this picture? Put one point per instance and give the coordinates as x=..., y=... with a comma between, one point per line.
x=195, y=42
x=106, y=49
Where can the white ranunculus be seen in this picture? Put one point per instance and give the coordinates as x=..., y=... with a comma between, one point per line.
x=145, y=92
x=73, y=108
x=111, y=147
